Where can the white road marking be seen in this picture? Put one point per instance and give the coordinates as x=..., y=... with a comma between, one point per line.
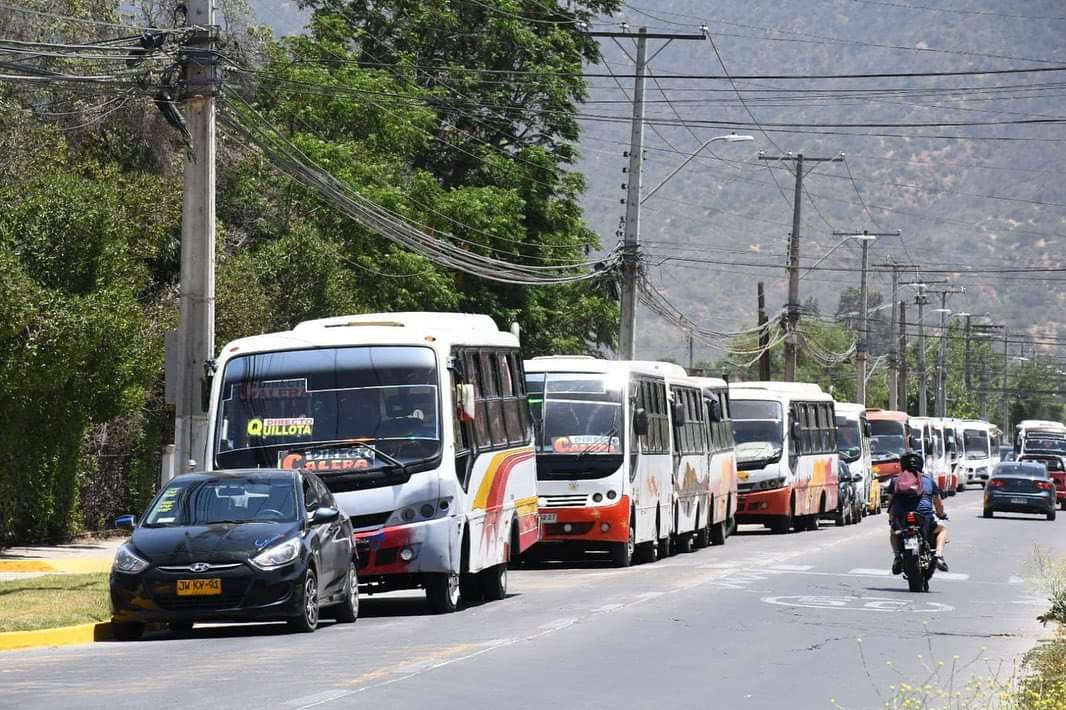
x=957, y=576
x=317, y=698
x=791, y=568
x=848, y=603
x=1015, y=580
x=868, y=572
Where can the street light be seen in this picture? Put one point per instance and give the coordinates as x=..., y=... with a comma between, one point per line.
x=864, y=238
x=731, y=138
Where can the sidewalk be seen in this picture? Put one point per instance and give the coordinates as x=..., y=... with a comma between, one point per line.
x=74, y=558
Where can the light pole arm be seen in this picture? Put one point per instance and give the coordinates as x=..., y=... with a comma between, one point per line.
x=689, y=159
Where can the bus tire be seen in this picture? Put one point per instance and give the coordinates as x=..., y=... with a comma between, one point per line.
x=471, y=587
x=494, y=582
x=703, y=536
x=665, y=548
x=780, y=526
x=442, y=592
x=718, y=533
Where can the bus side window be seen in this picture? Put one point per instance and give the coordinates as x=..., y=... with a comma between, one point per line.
x=809, y=432
x=512, y=402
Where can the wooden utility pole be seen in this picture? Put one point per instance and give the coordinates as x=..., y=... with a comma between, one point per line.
x=792, y=314
x=764, y=336
x=902, y=401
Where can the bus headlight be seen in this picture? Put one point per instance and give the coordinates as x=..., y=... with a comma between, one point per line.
x=418, y=512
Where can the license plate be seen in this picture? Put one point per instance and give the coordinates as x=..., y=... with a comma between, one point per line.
x=199, y=587
x=548, y=517
x=1018, y=501
x=911, y=543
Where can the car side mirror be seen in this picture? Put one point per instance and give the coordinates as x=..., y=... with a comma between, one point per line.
x=321, y=516
x=640, y=422
x=125, y=522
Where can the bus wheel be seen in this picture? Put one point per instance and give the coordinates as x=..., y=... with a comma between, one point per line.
x=686, y=542
x=471, y=587
x=622, y=553
x=494, y=583
x=703, y=536
x=665, y=543
x=780, y=526
x=718, y=533
x=442, y=592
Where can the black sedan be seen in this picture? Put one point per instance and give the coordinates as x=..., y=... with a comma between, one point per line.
x=262, y=545
x=1020, y=487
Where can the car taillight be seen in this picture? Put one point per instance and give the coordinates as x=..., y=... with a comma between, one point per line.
x=995, y=483
x=1045, y=485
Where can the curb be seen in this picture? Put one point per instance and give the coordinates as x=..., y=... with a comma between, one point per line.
x=73, y=565
x=62, y=636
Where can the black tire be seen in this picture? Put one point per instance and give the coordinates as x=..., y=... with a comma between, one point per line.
x=686, y=543
x=127, y=630
x=703, y=537
x=718, y=533
x=730, y=526
x=780, y=526
x=471, y=588
x=1051, y=515
x=987, y=513
x=623, y=553
x=1062, y=505
x=180, y=627
x=442, y=592
x=916, y=581
x=307, y=620
x=494, y=583
x=666, y=547
x=645, y=552
x=961, y=487
x=348, y=610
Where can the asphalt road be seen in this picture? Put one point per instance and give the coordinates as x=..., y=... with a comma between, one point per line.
x=763, y=622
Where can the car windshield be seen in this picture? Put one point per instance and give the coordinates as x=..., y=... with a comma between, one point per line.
x=291, y=407
x=576, y=413
x=1046, y=443
x=887, y=439
x=200, y=501
x=976, y=443
x=849, y=438
x=758, y=428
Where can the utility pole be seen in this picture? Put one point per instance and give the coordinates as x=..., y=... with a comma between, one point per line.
x=902, y=402
x=1004, y=408
x=920, y=300
x=863, y=343
x=627, y=331
x=966, y=377
x=764, y=336
x=192, y=355
x=691, y=351
x=941, y=365
x=985, y=329
x=893, y=351
x=792, y=314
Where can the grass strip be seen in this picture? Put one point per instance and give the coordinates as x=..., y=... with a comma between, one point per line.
x=52, y=601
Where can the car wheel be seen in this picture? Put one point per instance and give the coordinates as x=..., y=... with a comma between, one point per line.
x=1062, y=505
x=1051, y=515
x=442, y=592
x=307, y=620
x=127, y=630
x=494, y=583
x=348, y=610
x=180, y=627
x=987, y=512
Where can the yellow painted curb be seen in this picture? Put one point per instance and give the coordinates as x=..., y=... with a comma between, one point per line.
x=73, y=565
x=63, y=636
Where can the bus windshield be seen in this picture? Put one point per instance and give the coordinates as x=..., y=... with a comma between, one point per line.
x=332, y=409
x=849, y=439
x=578, y=424
x=758, y=428
x=976, y=443
x=887, y=438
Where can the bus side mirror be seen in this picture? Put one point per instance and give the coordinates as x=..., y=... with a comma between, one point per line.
x=679, y=413
x=640, y=422
x=796, y=430
x=465, y=403
x=714, y=411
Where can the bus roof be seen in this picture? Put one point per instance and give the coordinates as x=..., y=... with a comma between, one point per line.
x=581, y=363
x=716, y=383
x=1039, y=424
x=873, y=413
x=787, y=393
x=381, y=329
x=803, y=388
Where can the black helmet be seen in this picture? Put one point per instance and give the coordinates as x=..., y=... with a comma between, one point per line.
x=912, y=462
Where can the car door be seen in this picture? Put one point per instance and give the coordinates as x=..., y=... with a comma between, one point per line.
x=336, y=542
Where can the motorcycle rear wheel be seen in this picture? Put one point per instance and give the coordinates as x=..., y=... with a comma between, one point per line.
x=912, y=570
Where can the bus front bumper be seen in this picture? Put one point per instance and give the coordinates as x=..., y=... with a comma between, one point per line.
x=591, y=524
x=761, y=506
x=406, y=549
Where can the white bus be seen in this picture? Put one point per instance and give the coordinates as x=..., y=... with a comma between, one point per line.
x=604, y=455
x=1039, y=436
x=853, y=445
x=419, y=425
x=979, y=452
x=722, y=479
x=786, y=454
x=930, y=433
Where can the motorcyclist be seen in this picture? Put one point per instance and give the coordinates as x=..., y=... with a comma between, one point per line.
x=924, y=505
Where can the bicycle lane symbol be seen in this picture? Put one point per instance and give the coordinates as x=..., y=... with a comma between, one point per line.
x=850, y=603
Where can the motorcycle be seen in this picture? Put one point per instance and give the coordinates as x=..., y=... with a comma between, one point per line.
x=918, y=563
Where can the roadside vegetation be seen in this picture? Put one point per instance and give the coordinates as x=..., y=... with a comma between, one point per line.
x=52, y=601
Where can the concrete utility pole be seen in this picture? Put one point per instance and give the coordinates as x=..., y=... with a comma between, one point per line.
x=627, y=331
x=893, y=350
x=983, y=330
x=195, y=346
x=966, y=377
x=792, y=315
x=691, y=351
x=920, y=300
x=764, y=336
x=1004, y=409
x=902, y=401
x=941, y=365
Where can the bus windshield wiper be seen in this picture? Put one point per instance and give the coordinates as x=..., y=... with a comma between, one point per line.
x=395, y=462
x=588, y=449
